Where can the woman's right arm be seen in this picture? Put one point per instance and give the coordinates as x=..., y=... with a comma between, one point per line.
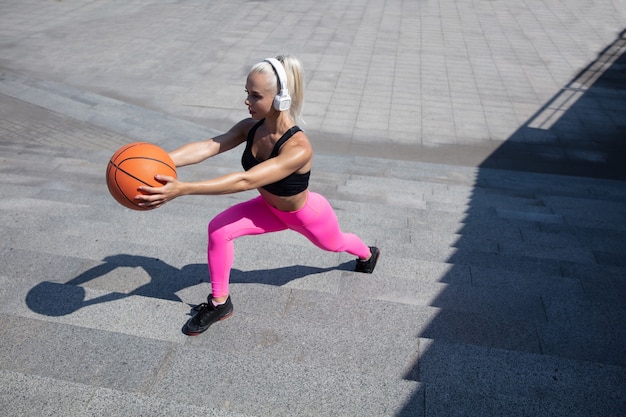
x=195, y=152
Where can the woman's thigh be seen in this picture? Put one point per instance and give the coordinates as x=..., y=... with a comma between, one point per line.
x=251, y=217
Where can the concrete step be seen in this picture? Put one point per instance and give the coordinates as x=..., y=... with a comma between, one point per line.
x=50, y=396
x=458, y=378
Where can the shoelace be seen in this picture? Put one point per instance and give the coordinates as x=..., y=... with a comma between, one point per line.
x=201, y=307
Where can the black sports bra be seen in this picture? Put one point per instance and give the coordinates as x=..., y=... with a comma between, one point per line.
x=292, y=184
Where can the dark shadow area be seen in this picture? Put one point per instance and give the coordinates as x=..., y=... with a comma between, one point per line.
x=539, y=329
x=581, y=131
x=59, y=299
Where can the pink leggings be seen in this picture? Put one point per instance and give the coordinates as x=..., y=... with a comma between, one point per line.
x=316, y=221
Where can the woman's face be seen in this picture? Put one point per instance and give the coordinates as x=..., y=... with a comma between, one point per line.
x=261, y=95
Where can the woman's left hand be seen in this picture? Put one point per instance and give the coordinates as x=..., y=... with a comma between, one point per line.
x=154, y=197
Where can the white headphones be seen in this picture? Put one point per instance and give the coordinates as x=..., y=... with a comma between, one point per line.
x=282, y=101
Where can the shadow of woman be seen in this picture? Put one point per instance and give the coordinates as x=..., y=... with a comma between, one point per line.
x=59, y=299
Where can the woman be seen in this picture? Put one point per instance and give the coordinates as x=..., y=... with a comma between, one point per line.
x=277, y=162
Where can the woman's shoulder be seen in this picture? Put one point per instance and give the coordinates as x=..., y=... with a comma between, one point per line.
x=243, y=127
x=296, y=139
x=246, y=124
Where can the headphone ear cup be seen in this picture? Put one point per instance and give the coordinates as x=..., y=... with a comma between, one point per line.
x=282, y=102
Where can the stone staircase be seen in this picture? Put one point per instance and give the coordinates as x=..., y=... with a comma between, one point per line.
x=497, y=293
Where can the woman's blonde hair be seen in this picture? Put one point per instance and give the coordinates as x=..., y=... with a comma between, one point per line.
x=295, y=81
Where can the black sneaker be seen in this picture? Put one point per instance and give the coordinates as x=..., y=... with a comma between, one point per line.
x=206, y=315
x=369, y=265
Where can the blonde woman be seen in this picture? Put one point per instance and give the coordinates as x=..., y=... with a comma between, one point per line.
x=277, y=162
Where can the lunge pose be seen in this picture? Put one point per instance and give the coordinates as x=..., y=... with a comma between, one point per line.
x=277, y=161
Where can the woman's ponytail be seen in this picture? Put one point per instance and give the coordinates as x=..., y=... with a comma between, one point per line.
x=295, y=84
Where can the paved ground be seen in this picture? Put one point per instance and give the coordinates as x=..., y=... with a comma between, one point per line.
x=448, y=81
x=479, y=144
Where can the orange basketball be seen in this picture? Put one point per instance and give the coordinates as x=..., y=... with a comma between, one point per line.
x=135, y=165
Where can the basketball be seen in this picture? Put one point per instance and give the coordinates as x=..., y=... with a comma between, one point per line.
x=135, y=165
